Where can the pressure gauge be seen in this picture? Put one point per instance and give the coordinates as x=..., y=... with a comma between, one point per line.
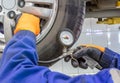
x=66, y=37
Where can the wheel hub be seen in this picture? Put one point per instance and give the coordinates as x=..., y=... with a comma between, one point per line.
x=45, y=9
x=8, y=4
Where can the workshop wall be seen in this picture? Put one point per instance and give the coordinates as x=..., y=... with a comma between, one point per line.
x=92, y=33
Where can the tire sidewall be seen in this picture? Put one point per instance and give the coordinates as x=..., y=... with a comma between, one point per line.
x=49, y=48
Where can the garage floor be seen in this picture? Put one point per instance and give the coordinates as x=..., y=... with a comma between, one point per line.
x=103, y=35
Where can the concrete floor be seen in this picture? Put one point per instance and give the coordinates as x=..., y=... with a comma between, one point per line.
x=92, y=33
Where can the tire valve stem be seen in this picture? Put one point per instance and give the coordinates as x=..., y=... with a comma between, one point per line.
x=65, y=49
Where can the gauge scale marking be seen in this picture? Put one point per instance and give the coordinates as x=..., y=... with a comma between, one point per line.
x=66, y=38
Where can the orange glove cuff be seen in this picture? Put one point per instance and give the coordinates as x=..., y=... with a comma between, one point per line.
x=102, y=49
x=28, y=22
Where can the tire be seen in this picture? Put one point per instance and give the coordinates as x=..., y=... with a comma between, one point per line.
x=70, y=15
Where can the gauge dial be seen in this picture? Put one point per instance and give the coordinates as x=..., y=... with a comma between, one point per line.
x=66, y=38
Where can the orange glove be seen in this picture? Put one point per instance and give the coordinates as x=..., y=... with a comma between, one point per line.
x=28, y=22
x=102, y=49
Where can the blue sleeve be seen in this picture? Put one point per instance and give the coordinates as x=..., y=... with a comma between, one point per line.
x=19, y=65
x=110, y=59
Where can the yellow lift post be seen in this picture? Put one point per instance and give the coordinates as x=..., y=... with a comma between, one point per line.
x=112, y=20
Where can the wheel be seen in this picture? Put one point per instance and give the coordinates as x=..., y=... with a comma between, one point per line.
x=55, y=15
x=70, y=15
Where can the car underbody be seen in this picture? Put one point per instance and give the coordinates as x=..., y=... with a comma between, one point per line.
x=102, y=9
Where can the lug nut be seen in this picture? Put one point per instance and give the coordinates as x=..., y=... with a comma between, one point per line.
x=21, y=3
x=11, y=14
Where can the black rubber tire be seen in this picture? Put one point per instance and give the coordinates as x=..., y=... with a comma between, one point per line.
x=70, y=15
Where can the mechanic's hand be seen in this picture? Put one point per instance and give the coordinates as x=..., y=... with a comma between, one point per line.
x=28, y=22
x=93, y=51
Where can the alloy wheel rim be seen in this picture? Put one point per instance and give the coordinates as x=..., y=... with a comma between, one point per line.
x=46, y=9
